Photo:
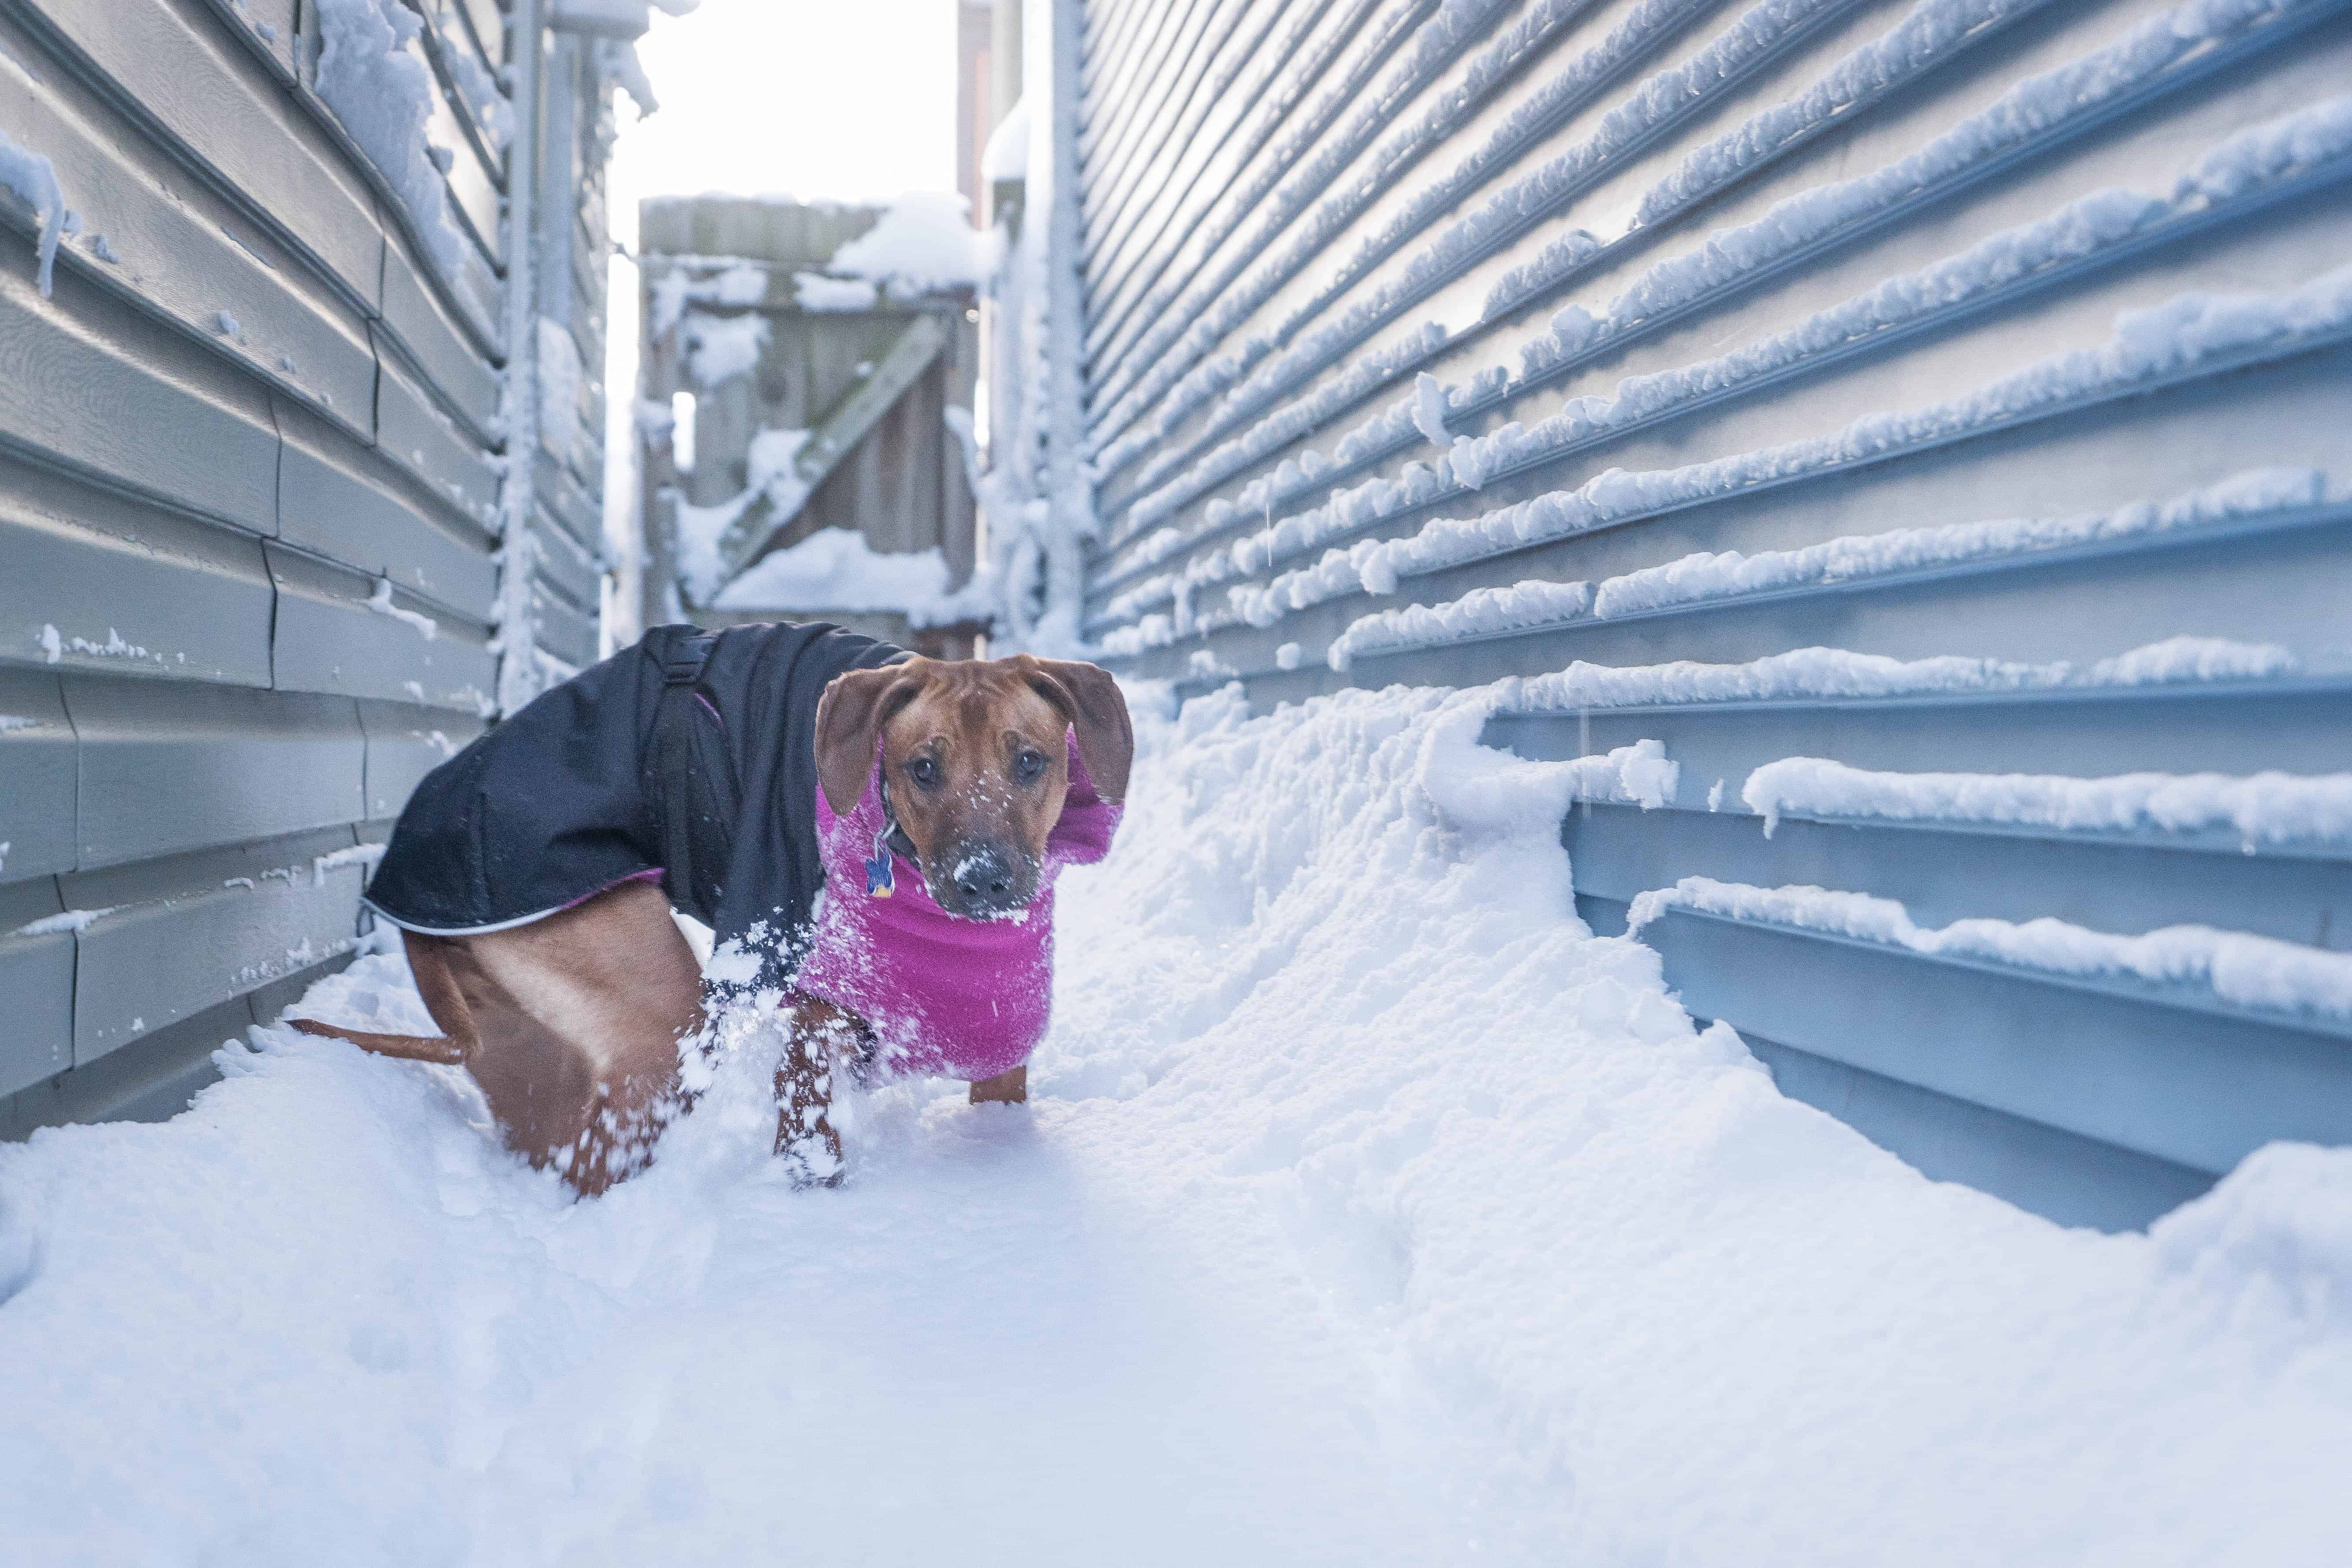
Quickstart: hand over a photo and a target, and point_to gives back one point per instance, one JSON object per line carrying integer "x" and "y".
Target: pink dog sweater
{"x": 946, "y": 996}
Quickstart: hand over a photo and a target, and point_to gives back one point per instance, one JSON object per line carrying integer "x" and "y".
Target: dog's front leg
{"x": 819, "y": 1039}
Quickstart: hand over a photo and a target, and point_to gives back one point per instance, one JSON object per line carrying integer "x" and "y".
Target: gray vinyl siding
{"x": 1243, "y": 162}
{"x": 221, "y": 435}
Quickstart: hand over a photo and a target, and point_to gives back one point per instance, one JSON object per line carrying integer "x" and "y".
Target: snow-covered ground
{"x": 1369, "y": 1211}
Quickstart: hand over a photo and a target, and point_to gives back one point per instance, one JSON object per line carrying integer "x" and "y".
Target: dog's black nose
{"x": 984, "y": 875}
{"x": 986, "y": 880}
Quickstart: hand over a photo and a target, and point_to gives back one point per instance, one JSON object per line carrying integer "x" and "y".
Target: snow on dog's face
{"x": 975, "y": 762}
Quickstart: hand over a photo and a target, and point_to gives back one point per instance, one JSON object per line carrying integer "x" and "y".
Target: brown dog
{"x": 572, "y": 1023}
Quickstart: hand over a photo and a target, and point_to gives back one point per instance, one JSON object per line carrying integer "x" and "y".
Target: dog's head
{"x": 974, "y": 756}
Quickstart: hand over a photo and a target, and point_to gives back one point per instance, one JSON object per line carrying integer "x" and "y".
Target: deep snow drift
{"x": 1370, "y": 1211}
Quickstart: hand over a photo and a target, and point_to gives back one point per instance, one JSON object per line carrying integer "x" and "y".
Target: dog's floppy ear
{"x": 849, "y": 716}
{"x": 1098, "y": 714}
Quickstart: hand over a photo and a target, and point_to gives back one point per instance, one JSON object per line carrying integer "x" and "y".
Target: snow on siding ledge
{"x": 2267, "y": 808}
{"x": 1720, "y": 577}
{"x": 2233, "y": 967}
{"x": 2238, "y": 168}
{"x": 371, "y": 76}
{"x": 1831, "y": 672}
{"x": 2192, "y": 334}
{"x": 31, "y": 177}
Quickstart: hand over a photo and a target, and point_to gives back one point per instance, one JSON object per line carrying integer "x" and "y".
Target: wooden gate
{"x": 778, "y": 402}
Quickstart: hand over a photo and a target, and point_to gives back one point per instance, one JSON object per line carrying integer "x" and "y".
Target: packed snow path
{"x": 1369, "y": 1211}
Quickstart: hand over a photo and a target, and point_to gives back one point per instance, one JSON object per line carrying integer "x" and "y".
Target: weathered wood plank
{"x": 842, "y": 426}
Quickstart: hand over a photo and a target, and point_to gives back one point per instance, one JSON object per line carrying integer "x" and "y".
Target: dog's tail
{"x": 437, "y": 1048}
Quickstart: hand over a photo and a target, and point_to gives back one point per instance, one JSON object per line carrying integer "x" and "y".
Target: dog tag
{"x": 880, "y": 883}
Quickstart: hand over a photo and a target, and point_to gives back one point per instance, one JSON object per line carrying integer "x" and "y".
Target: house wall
{"x": 1690, "y": 277}
{"x": 260, "y": 566}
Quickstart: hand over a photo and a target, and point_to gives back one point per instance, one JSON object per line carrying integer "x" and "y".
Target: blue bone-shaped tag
{"x": 880, "y": 883}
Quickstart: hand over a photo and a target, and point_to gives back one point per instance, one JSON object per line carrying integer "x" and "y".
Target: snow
{"x": 1429, "y": 410}
{"x": 2233, "y": 967}
{"x": 32, "y": 176}
{"x": 52, "y": 925}
{"x": 1639, "y": 774}
{"x": 2264, "y": 154}
{"x": 1369, "y": 1210}
{"x": 836, "y": 569}
{"x": 2267, "y": 809}
{"x": 772, "y": 475}
{"x": 1833, "y": 672}
{"x": 371, "y": 74}
{"x": 366, "y": 855}
{"x": 720, "y": 348}
{"x": 54, "y": 646}
{"x": 561, "y": 373}
{"x": 1709, "y": 577}
{"x": 477, "y": 86}
{"x": 815, "y": 292}
{"x": 1006, "y": 155}
{"x": 380, "y": 601}
{"x": 618, "y": 62}
{"x": 2252, "y": 494}
{"x": 923, "y": 243}
{"x": 1481, "y": 613}
{"x": 692, "y": 280}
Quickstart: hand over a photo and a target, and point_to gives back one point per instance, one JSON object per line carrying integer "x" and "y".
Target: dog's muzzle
{"x": 985, "y": 880}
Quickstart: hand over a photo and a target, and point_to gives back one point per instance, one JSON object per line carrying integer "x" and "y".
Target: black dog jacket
{"x": 692, "y": 754}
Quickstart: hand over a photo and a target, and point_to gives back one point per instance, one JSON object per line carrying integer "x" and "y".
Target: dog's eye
{"x": 1029, "y": 767}
{"x": 924, "y": 772}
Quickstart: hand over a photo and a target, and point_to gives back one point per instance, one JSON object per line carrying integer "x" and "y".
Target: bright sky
{"x": 819, "y": 97}
{"x": 849, "y": 99}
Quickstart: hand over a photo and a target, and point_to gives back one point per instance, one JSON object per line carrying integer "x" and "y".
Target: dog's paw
{"x": 812, "y": 1161}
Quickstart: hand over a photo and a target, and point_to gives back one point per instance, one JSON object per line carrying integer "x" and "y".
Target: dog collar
{"x": 881, "y": 882}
